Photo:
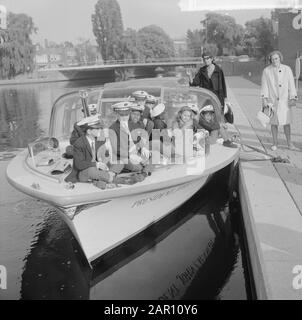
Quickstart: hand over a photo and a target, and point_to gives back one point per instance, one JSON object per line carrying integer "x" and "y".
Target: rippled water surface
{"x": 194, "y": 253}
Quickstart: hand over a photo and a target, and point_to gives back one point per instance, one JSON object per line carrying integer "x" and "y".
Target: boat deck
{"x": 54, "y": 190}
{"x": 270, "y": 195}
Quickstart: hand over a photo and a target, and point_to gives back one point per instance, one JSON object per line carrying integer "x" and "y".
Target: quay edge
{"x": 272, "y": 219}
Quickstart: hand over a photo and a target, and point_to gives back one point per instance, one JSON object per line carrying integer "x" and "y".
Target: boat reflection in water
{"x": 190, "y": 254}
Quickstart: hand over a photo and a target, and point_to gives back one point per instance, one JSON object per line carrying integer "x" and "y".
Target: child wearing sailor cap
{"x": 87, "y": 162}
{"x": 136, "y": 117}
{"x": 161, "y": 132}
{"x": 209, "y": 122}
{"x": 150, "y": 103}
{"x": 124, "y": 137}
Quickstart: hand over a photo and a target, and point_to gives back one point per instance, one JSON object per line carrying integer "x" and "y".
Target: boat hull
{"x": 103, "y": 219}
{"x": 101, "y": 227}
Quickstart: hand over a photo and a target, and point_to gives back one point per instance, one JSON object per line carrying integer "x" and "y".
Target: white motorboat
{"x": 103, "y": 219}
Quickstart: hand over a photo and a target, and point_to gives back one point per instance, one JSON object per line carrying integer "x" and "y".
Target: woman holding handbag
{"x": 278, "y": 92}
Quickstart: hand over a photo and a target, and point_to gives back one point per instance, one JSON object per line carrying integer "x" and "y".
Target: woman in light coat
{"x": 277, "y": 89}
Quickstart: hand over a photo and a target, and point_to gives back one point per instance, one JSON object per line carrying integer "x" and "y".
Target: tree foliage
{"x": 195, "y": 41}
{"x": 223, "y": 31}
{"x": 260, "y": 35}
{"x": 108, "y": 29}
{"x": 16, "y": 48}
{"x": 86, "y": 52}
{"x": 131, "y": 47}
{"x": 211, "y": 48}
{"x": 115, "y": 43}
{"x": 155, "y": 43}
{"x": 256, "y": 38}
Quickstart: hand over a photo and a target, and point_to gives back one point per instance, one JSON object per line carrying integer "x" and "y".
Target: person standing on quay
{"x": 211, "y": 77}
{"x": 278, "y": 91}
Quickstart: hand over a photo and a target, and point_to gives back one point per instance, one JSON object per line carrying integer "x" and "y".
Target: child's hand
{"x": 102, "y": 166}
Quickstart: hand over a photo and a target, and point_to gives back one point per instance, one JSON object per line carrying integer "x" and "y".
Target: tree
{"x": 131, "y": 47}
{"x": 195, "y": 41}
{"x": 260, "y": 35}
{"x": 85, "y": 51}
{"x": 17, "y": 51}
{"x": 155, "y": 43}
{"x": 67, "y": 45}
{"x": 223, "y": 31}
{"x": 211, "y": 48}
{"x": 108, "y": 28}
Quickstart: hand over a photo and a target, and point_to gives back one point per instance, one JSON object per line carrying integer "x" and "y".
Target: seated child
{"x": 208, "y": 121}
{"x": 185, "y": 119}
{"x": 87, "y": 164}
{"x": 137, "y": 120}
{"x": 161, "y": 131}
{"x": 125, "y": 144}
{"x": 150, "y": 103}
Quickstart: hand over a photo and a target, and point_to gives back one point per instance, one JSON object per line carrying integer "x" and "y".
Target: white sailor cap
{"x": 131, "y": 99}
{"x": 207, "y": 108}
{"x": 122, "y": 106}
{"x": 93, "y": 122}
{"x": 157, "y": 110}
{"x": 151, "y": 99}
{"x": 139, "y": 94}
{"x": 137, "y": 107}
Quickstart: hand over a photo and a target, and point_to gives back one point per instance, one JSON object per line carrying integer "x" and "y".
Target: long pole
{"x": 298, "y": 70}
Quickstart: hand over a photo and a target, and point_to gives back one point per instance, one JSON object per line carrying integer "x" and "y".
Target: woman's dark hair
{"x": 208, "y": 54}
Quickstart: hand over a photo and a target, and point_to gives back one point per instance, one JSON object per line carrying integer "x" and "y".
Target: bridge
{"x": 119, "y": 69}
{"x": 124, "y": 69}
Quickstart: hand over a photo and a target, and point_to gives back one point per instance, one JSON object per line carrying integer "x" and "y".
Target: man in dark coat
{"x": 211, "y": 77}
{"x": 86, "y": 163}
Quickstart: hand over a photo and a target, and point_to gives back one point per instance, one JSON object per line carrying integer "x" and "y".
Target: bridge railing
{"x": 148, "y": 60}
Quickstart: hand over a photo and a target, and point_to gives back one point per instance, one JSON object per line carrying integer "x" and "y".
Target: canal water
{"x": 197, "y": 252}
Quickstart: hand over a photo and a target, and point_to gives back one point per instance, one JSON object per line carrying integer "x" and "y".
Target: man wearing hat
{"x": 86, "y": 163}
{"x": 125, "y": 145}
{"x": 77, "y": 131}
{"x": 211, "y": 77}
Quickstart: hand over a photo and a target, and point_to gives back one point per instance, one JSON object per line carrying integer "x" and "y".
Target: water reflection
{"x": 55, "y": 267}
{"x": 19, "y": 116}
{"x": 191, "y": 254}
{"x": 25, "y": 110}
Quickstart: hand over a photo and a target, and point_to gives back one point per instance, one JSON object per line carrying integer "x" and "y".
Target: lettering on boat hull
{"x": 158, "y": 195}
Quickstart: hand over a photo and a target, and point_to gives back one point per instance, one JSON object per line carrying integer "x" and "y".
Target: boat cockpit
{"x": 45, "y": 155}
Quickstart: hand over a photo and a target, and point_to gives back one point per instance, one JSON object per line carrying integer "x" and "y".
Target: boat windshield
{"x": 67, "y": 110}
{"x": 173, "y": 97}
{"x": 114, "y": 95}
{"x": 176, "y": 98}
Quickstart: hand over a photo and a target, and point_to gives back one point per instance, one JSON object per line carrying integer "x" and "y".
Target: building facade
{"x": 290, "y": 37}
